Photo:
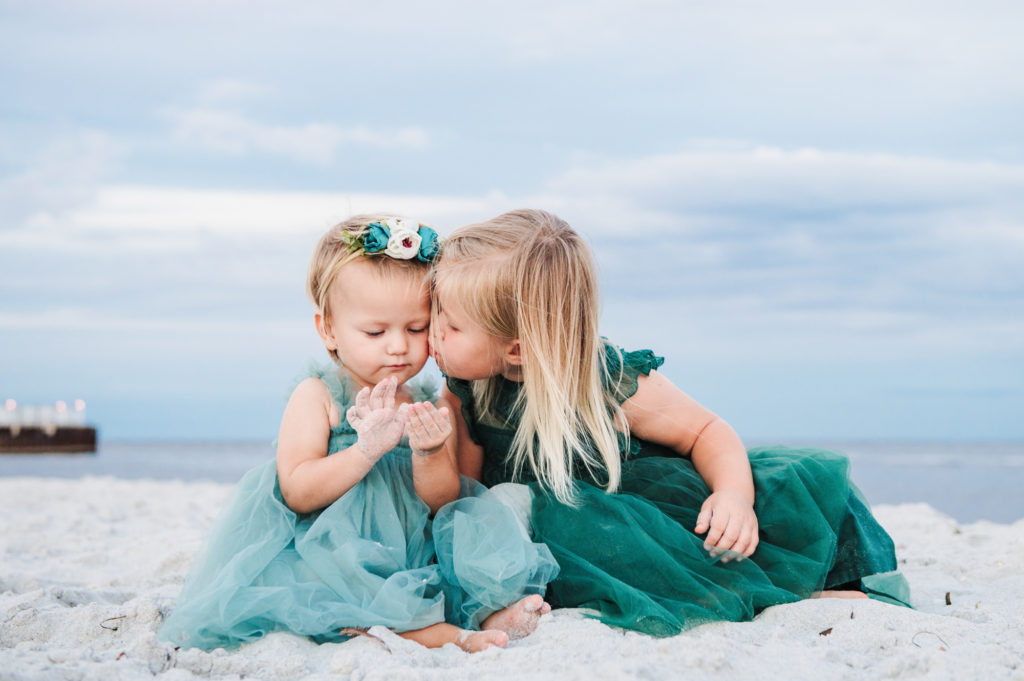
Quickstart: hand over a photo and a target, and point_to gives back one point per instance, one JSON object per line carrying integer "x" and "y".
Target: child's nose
{"x": 398, "y": 344}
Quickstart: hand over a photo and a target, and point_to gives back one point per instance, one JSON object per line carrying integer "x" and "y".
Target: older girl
{"x": 649, "y": 501}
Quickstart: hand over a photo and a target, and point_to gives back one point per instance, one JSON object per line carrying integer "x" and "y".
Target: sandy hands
{"x": 380, "y": 425}
{"x": 427, "y": 427}
{"x": 376, "y": 421}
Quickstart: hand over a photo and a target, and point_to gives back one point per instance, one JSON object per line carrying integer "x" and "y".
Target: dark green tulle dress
{"x": 632, "y": 560}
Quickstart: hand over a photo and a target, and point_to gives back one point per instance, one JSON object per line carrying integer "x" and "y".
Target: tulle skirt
{"x": 632, "y": 560}
{"x": 373, "y": 557}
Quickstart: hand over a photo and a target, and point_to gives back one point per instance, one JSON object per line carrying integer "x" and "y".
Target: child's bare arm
{"x": 662, "y": 413}
{"x": 469, "y": 454}
{"x": 310, "y": 479}
{"x": 434, "y": 470}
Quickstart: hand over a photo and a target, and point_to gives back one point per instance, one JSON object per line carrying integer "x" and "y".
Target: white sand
{"x": 90, "y": 566}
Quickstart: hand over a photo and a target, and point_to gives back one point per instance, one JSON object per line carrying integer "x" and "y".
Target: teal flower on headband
{"x": 429, "y": 244}
{"x": 376, "y": 237}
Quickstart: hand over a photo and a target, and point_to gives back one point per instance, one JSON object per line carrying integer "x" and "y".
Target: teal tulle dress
{"x": 373, "y": 557}
{"x": 631, "y": 558}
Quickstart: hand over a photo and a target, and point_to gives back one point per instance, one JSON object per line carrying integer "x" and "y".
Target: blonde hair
{"x": 527, "y": 275}
{"x": 334, "y": 251}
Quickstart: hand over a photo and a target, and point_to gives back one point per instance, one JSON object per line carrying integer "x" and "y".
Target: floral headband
{"x": 397, "y": 237}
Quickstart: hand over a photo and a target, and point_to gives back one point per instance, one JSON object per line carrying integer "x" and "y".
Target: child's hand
{"x": 427, "y": 427}
{"x": 375, "y": 419}
{"x": 731, "y": 524}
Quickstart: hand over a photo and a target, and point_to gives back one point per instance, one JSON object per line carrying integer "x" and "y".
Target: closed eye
{"x": 419, "y": 330}
{"x": 374, "y": 334}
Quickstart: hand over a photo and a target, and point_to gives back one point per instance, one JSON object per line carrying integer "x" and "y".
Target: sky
{"x": 814, "y": 210}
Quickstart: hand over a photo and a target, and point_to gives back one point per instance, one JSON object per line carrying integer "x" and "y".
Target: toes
{"x": 482, "y": 640}
{"x": 532, "y": 603}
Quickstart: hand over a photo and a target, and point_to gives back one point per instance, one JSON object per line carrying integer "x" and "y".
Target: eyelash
{"x": 375, "y": 334}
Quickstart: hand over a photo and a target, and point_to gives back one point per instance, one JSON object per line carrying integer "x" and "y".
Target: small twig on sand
{"x": 111, "y": 619}
{"x": 943, "y": 647}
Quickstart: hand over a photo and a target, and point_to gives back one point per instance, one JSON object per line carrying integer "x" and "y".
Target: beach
{"x": 91, "y": 566}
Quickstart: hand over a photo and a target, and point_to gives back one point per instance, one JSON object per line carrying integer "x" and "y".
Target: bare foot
{"x": 519, "y": 619}
{"x": 475, "y": 641}
{"x": 442, "y": 633}
{"x": 841, "y": 594}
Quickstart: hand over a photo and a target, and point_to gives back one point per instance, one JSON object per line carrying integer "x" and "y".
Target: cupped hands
{"x": 379, "y": 424}
{"x": 427, "y": 427}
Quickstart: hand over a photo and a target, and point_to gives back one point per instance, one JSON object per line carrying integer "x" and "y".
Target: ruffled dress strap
{"x": 343, "y": 394}
{"x": 623, "y": 369}
{"x": 337, "y": 383}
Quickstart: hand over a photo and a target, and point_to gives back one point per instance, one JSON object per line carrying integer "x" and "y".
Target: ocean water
{"x": 969, "y": 481}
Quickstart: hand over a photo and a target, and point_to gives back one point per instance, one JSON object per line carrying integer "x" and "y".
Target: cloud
{"x": 127, "y": 219}
{"x": 79, "y": 319}
{"x": 64, "y": 174}
{"x": 226, "y": 91}
{"x": 317, "y": 143}
{"x": 857, "y": 252}
{"x": 769, "y": 208}
{"x": 763, "y": 180}
{"x": 253, "y": 213}
{"x": 891, "y": 253}
{"x": 136, "y": 252}
{"x": 726, "y": 41}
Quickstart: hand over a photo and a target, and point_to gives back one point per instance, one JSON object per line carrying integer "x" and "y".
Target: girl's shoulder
{"x": 331, "y": 376}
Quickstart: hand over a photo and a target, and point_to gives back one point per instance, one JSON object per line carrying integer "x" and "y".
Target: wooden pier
{"x": 47, "y": 439}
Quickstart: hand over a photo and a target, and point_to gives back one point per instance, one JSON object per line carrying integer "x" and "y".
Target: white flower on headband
{"x": 404, "y": 243}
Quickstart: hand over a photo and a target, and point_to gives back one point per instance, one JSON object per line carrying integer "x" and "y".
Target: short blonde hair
{"x": 334, "y": 251}
{"x": 528, "y": 275}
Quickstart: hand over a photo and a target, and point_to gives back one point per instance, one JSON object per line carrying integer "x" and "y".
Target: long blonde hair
{"x": 527, "y": 275}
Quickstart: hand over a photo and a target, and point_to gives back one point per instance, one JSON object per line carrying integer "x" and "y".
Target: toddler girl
{"x": 354, "y": 525}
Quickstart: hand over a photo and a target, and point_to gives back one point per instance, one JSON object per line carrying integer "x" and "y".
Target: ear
{"x": 324, "y": 331}
{"x": 513, "y": 353}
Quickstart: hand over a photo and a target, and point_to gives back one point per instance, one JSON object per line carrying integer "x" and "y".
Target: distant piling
{"x": 35, "y": 429}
